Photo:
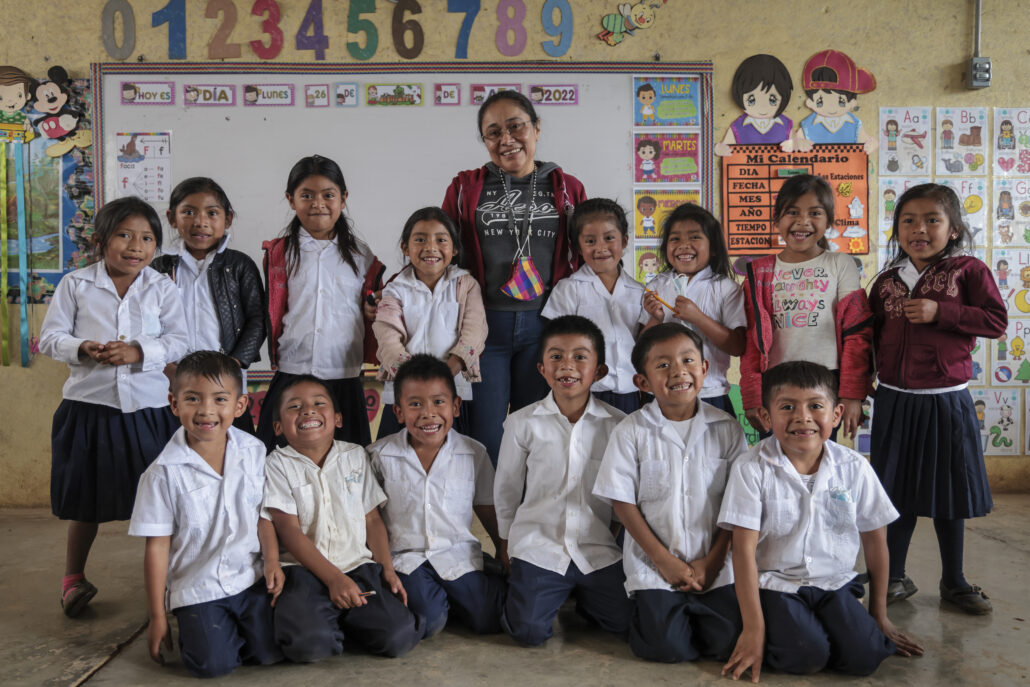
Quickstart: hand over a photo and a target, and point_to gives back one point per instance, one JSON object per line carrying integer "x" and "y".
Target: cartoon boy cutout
{"x": 832, "y": 82}
{"x": 1002, "y": 271}
{"x": 251, "y": 94}
{"x": 646, "y": 206}
{"x": 648, "y": 152}
{"x": 762, "y": 88}
{"x": 129, "y": 92}
{"x": 1006, "y": 136}
{"x": 646, "y": 96}
{"x": 191, "y": 95}
{"x": 947, "y": 135}
{"x": 889, "y": 198}
{"x": 15, "y": 91}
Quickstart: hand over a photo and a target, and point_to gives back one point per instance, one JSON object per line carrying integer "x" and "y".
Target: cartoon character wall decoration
{"x": 1006, "y": 136}
{"x": 648, "y": 151}
{"x": 1005, "y": 209}
{"x": 618, "y": 25}
{"x": 646, "y": 95}
{"x": 60, "y": 116}
{"x": 890, "y": 130}
{"x": 15, "y": 91}
{"x": 762, "y": 88}
{"x": 646, "y": 206}
{"x": 832, "y": 83}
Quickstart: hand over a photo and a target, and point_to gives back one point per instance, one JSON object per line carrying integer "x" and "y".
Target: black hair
{"x": 117, "y": 211}
{"x": 661, "y": 333}
{"x": 948, "y": 200}
{"x": 212, "y": 365}
{"x": 433, "y": 214}
{"x": 522, "y": 101}
{"x": 801, "y": 374}
{"x": 572, "y": 324}
{"x": 795, "y": 187}
{"x": 645, "y": 87}
{"x": 187, "y": 187}
{"x": 765, "y": 71}
{"x": 346, "y": 243}
{"x": 422, "y": 367}
{"x": 297, "y": 381}
{"x": 597, "y": 208}
{"x": 827, "y": 74}
{"x": 718, "y": 256}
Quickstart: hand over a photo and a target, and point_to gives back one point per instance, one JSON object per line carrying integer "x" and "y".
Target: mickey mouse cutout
{"x": 832, "y": 82}
{"x": 60, "y": 117}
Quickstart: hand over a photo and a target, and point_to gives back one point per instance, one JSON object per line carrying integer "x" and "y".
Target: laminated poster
{"x": 1011, "y": 270}
{"x": 1012, "y": 141}
{"x": 863, "y": 437}
{"x": 1009, "y": 363}
{"x": 997, "y": 413}
{"x": 651, "y": 207}
{"x": 906, "y": 144}
{"x": 752, "y": 175}
{"x": 666, "y": 101}
{"x": 972, "y": 193}
{"x": 666, "y": 158}
{"x": 891, "y": 189}
{"x": 1011, "y": 212}
{"x": 646, "y": 264}
{"x": 962, "y": 137}
{"x": 144, "y": 165}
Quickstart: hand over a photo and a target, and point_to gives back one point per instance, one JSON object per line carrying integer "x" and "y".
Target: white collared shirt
{"x": 805, "y": 538}
{"x": 429, "y": 516}
{"x": 324, "y": 326}
{"x": 676, "y": 481}
{"x": 615, "y": 314}
{"x": 542, "y": 492}
{"x": 194, "y": 283}
{"x": 331, "y": 502}
{"x": 86, "y": 307}
{"x": 430, "y": 319}
{"x": 716, "y": 296}
{"x": 211, "y": 518}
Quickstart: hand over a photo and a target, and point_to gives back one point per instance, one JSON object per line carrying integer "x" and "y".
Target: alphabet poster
{"x": 144, "y": 165}
{"x": 652, "y": 206}
{"x": 997, "y": 412}
{"x": 906, "y": 144}
{"x": 891, "y": 189}
{"x": 1009, "y": 364}
{"x": 1012, "y": 141}
{"x": 1011, "y": 269}
{"x": 666, "y": 158}
{"x": 1011, "y": 212}
{"x": 972, "y": 193}
{"x": 962, "y": 137}
{"x": 667, "y": 101}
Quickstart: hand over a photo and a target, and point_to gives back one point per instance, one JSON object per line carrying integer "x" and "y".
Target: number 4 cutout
{"x": 311, "y": 35}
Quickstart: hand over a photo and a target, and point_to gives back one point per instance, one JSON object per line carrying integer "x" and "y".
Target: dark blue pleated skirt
{"x": 926, "y": 450}
{"x": 99, "y": 453}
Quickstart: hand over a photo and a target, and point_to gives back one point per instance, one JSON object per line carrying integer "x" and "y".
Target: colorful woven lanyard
{"x": 522, "y": 245}
{"x": 5, "y": 354}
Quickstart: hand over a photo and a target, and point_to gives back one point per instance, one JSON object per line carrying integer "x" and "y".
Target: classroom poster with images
{"x": 1011, "y": 269}
{"x": 667, "y": 101}
{"x": 979, "y": 356}
{"x": 891, "y": 189}
{"x": 997, "y": 414}
{"x": 753, "y": 174}
{"x": 1009, "y": 363}
{"x": 962, "y": 137}
{"x": 144, "y": 165}
{"x": 1011, "y": 212}
{"x": 864, "y": 434}
{"x": 906, "y": 142}
{"x": 646, "y": 263}
{"x": 652, "y": 205}
{"x": 1011, "y": 141}
{"x": 972, "y": 193}
{"x": 670, "y": 158}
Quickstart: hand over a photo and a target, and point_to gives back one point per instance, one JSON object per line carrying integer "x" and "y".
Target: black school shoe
{"x": 899, "y": 589}
{"x": 971, "y": 600}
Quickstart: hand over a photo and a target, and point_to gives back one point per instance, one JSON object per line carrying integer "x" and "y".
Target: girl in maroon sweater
{"x": 929, "y": 305}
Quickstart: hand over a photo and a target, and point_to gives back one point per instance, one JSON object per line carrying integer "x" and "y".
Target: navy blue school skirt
{"x": 926, "y": 450}
{"x": 349, "y": 395}
{"x": 99, "y": 453}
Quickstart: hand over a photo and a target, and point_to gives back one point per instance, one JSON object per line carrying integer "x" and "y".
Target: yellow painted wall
{"x": 917, "y": 49}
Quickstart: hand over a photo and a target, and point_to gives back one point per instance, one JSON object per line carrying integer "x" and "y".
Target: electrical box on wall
{"x": 979, "y": 75}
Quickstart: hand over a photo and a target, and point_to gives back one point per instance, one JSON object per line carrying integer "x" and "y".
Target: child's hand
{"x": 394, "y": 583}
{"x": 756, "y": 420}
{"x": 120, "y": 353}
{"x": 679, "y": 574}
{"x": 906, "y": 645}
{"x": 921, "y": 311}
{"x": 653, "y": 307}
{"x": 159, "y": 632}
{"x": 369, "y": 308}
{"x": 344, "y": 592}
{"x": 746, "y": 654}
{"x": 852, "y": 417}
{"x": 706, "y": 569}
{"x": 274, "y": 580}
{"x": 91, "y": 349}
{"x": 686, "y": 309}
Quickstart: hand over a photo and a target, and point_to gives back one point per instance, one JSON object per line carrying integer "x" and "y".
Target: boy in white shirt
{"x": 557, "y": 534}
{"x": 321, "y": 495}
{"x": 799, "y": 505}
{"x": 198, "y": 506}
{"x": 664, "y": 471}
{"x": 435, "y": 478}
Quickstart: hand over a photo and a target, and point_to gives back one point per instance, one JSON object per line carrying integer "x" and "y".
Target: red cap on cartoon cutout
{"x": 849, "y": 76}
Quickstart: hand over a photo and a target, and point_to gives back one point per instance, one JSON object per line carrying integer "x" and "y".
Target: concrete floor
{"x": 106, "y": 646}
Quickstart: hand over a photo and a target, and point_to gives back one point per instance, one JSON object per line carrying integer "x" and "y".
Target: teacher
{"x": 512, "y": 214}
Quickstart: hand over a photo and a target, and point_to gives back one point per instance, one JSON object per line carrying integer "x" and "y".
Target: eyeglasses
{"x": 513, "y": 129}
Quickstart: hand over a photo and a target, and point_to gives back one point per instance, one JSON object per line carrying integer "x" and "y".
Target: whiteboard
{"x": 394, "y": 159}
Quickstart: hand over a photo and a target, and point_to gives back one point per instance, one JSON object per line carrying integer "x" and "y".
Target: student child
{"x": 929, "y": 305}
{"x": 318, "y": 275}
{"x": 664, "y": 472}
{"x": 799, "y": 504}
{"x": 434, "y": 479}
{"x": 431, "y": 306}
{"x": 558, "y": 535}
{"x": 806, "y": 303}
{"x": 700, "y": 285}
{"x": 116, "y": 324}
{"x": 604, "y": 293}
{"x": 220, "y": 287}
{"x": 323, "y": 499}
{"x": 198, "y": 506}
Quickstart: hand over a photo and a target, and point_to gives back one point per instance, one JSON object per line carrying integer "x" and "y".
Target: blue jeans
{"x": 510, "y": 378}
{"x": 475, "y": 598}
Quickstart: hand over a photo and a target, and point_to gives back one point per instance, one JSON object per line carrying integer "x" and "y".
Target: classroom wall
{"x": 917, "y": 50}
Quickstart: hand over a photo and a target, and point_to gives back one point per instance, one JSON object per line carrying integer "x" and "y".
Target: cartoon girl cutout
{"x": 890, "y": 130}
{"x": 1006, "y": 135}
{"x": 1005, "y": 207}
{"x": 947, "y": 135}
{"x": 832, "y": 83}
{"x": 15, "y": 92}
{"x": 762, "y": 88}
{"x": 648, "y": 152}
{"x": 647, "y": 266}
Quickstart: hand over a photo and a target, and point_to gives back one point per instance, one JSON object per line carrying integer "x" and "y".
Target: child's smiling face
{"x": 201, "y": 222}
{"x": 761, "y": 103}
{"x": 674, "y": 371}
{"x": 688, "y": 251}
{"x": 318, "y": 202}
{"x": 430, "y": 250}
{"x": 830, "y": 104}
{"x": 13, "y": 98}
{"x": 307, "y": 419}
{"x": 801, "y": 227}
{"x": 569, "y": 364}
{"x": 801, "y": 420}
{"x": 427, "y": 408}
{"x": 601, "y": 245}
{"x": 206, "y": 407}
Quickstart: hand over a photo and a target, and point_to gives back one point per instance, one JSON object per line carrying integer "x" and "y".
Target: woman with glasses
{"x": 512, "y": 214}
